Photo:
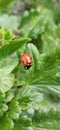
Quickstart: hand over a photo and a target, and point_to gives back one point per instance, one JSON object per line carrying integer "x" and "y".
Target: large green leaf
{"x": 12, "y": 47}
{"x": 44, "y": 74}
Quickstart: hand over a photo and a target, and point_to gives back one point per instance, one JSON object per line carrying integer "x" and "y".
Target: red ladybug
{"x": 26, "y": 61}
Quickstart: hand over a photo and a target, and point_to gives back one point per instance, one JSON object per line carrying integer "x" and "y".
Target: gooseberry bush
{"x": 30, "y": 99}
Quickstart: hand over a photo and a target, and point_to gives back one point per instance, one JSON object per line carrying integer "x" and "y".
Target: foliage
{"x": 30, "y": 99}
{"x": 5, "y": 5}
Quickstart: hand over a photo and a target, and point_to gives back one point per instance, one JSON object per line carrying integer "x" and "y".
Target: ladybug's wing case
{"x": 24, "y": 61}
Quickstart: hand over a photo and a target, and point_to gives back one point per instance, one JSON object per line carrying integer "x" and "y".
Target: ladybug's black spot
{"x": 27, "y": 67}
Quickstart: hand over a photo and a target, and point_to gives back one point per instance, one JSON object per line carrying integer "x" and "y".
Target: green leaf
{"x": 28, "y": 74}
{"x": 7, "y": 65}
{"x": 49, "y": 119}
{"x": 23, "y": 123}
{"x": 6, "y": 82}
{"x": 52, "y": 90}
{"x": 12, "y": 47}
{"x": 31, "y": 48}
{"x": 8, "y": 123}
{"x": 14, "y": 109}
{"x": 3, "y": 105}
{"x": 5, "y": 5}
{"x": 24, "y": 101}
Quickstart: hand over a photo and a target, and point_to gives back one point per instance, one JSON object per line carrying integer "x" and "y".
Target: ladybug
{"x": 26, "y": 60}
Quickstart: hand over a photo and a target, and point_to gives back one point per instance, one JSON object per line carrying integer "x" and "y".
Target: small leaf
{"x": 6, "y": 82}
{"x": 33, "y": 51}
{"x": 7, "y": 65}
{"x": 14, "y": 109}
{"x": 8, "y": 123}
